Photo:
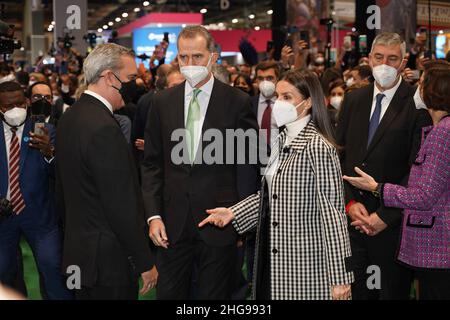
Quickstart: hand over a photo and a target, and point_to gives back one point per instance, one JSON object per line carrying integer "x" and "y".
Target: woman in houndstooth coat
{"x": 302, "y": 246}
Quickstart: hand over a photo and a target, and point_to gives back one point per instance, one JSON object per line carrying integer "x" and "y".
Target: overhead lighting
{"x": 159, "y": 25}
{"x": 353, "y": 29}
{"x": 137, "y": 9}
{"x": 235, "y": 20}
{"x": 252, "y": 16}
{"x": 183, "y": 25}
{"x": 110, "y": 23}
{"x": 105, "y": 27}
{"x": 441, "y": 31}
{"x": 204, "y": 10}
{"x": 118, "y": 19}
{"x": 269, "y": 12}
{"x": 146, "y": 3}
{"x": 124, "y": 15}
{"x": 257, "y": 28}
{"x": 53, "y": 23}
{"x": 100, "y": 30}
{"x": 220, "y": 24}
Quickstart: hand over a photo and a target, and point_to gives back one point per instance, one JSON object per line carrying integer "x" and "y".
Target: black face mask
{"x": 41, "y": 107}
{"x": 128, "y": 91}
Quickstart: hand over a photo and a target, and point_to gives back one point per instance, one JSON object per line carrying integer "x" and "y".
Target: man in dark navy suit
{"x": 26, "y": 165}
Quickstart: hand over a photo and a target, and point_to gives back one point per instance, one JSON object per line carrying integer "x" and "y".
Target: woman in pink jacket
{"x": 425, "y": 241}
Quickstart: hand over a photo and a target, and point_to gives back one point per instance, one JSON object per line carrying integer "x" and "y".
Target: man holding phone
{"x": 26, "y": 166}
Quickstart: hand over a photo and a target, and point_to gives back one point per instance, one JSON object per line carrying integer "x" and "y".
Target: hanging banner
{"x": 70, "y": 18}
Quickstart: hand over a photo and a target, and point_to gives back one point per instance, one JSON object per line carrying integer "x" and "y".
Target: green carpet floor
{"x": 31, "y": 275}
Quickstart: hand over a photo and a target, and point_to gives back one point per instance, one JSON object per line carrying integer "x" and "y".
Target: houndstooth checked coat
{"x": 309, "y": 241}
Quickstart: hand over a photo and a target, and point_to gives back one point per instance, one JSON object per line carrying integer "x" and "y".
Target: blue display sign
{"x": 146, "y": 40}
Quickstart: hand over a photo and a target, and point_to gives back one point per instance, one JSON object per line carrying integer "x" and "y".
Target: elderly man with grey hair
{"x": 105, "y": 244}
{"x": 379, "y": 130}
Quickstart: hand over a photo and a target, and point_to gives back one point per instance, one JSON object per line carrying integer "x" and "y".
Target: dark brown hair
{"x": 266, "y": 65}
{"x": 307, "y": 83}
{"x": 436, "y": 86}
{"x": 191, "y": 32}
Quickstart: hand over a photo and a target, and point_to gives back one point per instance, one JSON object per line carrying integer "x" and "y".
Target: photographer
{"x": 27, "y": 206}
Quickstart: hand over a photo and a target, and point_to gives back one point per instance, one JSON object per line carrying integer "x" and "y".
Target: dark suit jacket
{"x": 392, "y": 150}
{"x": 171, "y": 190}
{"x": 97, "y": 181}
{"x": 34, "y": 177}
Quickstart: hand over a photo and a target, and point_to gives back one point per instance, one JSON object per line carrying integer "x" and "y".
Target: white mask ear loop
{"x": 306, "y": 108}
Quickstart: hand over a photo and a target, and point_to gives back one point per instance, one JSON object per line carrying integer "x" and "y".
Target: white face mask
{"x": 65, "y": 88}
{"x": 385, "y": 75}
{"x": 196, "y": 74}
{"x": 320, "y": 60}
{"x": 285, "y": 112}
{"x": 336, "y": 102}
{"x": 267, "y": 88}
{"x": 15, "y": 117}
{"x": 350, "y": 82}
{"x": 418, "y": 101}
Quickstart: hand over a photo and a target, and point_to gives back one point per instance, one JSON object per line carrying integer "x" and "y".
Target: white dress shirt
{"x": 99, "y": 97}
{"x": 8, "y": 135}
{"x": 293, "y": 129}
{"x": 389, "y": 94}
{"x": 262, "y": 106}
{"x": 203, "y": 100}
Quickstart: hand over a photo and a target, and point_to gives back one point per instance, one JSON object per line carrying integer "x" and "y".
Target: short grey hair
{"x": 221, "y": 73}
{"x": 390, "y": 39}
{"x": 104, "y": 57}
{"x": 191, "y": 32}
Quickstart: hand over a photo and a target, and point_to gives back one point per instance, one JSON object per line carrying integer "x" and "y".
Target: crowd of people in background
{"x": 375, "y": 109}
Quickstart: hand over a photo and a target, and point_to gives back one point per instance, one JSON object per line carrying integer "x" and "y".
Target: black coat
{"x": 392, "y": 150}
{"x": 100, "y": 195}
{"x": 171, "y": 190}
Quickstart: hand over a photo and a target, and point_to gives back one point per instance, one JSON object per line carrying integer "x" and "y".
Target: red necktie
{"x": 16, "y": 197}
{"x": 266, "y": 122}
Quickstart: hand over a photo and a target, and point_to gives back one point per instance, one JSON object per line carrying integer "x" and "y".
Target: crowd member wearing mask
{"x": 303, "y": 242}
{"x": 360, "y": 75}
{"x": 425, "y": 240}
{"x": 244, "y": 83}
{"x": 41, "y": 98}
{"x": 267, "y": 75}
{"x": 98, "y": 187}
{"x": 379, "y": 131}
{"x": 176, "y": 196}
{"x": 26, "y": 167}
{"x": 337, "y": 91}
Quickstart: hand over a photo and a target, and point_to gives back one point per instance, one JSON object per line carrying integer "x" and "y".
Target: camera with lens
{"x": 7, "y": 42}
{"x": 6, "y": 209}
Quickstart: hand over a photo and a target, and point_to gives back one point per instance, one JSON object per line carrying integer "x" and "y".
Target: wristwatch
{"x": 377, "y": 192}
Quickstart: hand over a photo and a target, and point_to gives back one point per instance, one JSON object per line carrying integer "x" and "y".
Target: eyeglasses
{"x": 37, "y": 97}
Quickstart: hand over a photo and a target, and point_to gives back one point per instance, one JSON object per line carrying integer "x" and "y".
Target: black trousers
{"x": 434, "y": 285}
{"x": 108, "y": 293}
{"x": 379, "y": 251}
{"x": 215, "y": 268}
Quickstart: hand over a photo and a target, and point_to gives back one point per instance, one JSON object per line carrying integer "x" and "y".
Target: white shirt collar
{"x": 99, "y": 97}
{"x": 294, "y": 128}
{"x": 206, "y": 88}
{"x": 388, "y": 93}
{"x": 263, "y": 99}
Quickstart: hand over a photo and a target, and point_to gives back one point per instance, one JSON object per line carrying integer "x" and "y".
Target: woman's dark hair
{"x": 248, "y": 81}
{"x": 436, "y": 86}
{"x": 307, "y": 83}
{"x": 336, "y": 84}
